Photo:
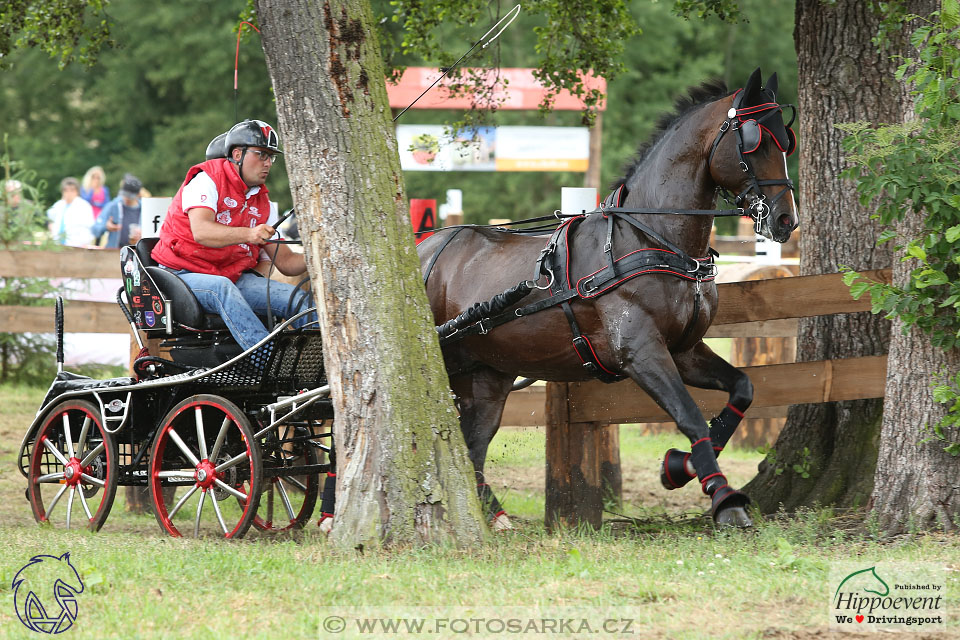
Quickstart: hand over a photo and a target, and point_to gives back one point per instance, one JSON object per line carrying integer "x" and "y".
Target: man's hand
{"x": 260, "y": 234}
{"x": 208, "y": 232}
{"x": 112, "y": 226}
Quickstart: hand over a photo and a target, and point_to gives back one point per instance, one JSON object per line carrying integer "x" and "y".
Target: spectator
{"x": 13, "y": 191}
{"x": 95, "y": 190}
{"x": 71, "y": 217}
{"x": 121, "y": 216}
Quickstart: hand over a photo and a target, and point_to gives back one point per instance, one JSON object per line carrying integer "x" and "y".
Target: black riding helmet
{"x": 249, "y": 133}
{"x": 217, "y": 147}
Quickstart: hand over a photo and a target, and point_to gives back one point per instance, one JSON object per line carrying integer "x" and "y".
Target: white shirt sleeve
{"x": 200, "y": 192}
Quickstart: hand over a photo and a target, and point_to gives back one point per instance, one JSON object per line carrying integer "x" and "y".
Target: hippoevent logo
{"x": 45, "y": 593}
{"x": 887, "y": 596}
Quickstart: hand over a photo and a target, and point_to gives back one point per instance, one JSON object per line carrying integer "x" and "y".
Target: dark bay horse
{"x": 650, "y": 327}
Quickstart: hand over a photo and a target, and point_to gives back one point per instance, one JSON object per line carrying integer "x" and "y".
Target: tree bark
{"x": 917, "y": 484}
{"x": 843, "y": 78}
{"x": 403, "y": 475}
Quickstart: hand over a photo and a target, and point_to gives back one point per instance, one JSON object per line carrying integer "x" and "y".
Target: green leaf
{"x": 886, "y": 235}
{"x": 915, "y": 251}
{"x": 950, "y": 13}
{"x": 953, "y": 233}
{"x": 859, "y": 289}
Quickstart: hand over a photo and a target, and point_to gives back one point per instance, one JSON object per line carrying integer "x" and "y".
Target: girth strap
{"x": 581, "y": 344}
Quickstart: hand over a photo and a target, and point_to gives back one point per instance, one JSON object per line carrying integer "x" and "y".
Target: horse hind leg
{"x": 481, "y": 396}
{"x": 660, "y": 378}
{"x": 701, "y": 367}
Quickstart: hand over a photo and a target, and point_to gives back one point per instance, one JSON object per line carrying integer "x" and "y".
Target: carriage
{"x": 222, "y": 438}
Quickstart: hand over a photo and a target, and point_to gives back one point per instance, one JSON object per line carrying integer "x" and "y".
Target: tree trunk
{"x": 916, "y": 486}
{"x": 842, "y": 79}
{"x": 403, "y": 475}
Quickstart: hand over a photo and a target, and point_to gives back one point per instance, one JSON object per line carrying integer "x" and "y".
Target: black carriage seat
{"x": 185, "y": 308}
{"x": 157, "y": 297}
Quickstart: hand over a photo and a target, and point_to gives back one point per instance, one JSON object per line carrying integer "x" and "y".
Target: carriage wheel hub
{"x": 206, "y": 474}
{"x": 72, "y": 471}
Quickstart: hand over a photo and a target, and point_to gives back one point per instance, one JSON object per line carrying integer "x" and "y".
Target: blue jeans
{"x": 238, "y": 304}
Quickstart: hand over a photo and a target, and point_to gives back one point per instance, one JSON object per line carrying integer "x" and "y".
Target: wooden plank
{"x": 70, "y": 262}
{"x": 797, "y": 297}
{"x": 783, "y": 328}
{"x": 79, "y": 317}
{"x": 774, "y": 386}
{"x": 525, "y": 408}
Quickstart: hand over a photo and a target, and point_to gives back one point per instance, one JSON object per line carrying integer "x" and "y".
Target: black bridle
{"x": 749, "y": 129}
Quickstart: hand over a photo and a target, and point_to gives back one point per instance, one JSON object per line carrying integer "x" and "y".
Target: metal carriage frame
{"x": 242, "y": 443}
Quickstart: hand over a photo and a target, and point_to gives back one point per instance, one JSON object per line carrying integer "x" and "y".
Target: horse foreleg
{"x": 658, "y": 375}
{"x": 481, "y": 396}
{"x": 701, "y": 367}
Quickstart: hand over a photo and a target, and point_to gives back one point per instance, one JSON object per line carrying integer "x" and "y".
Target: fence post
{"x": 574, "y": 482}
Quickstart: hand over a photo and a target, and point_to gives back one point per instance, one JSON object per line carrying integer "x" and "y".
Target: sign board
{"x": 152, "y": 213}
{"x": 431, "y": 148}
{"x": 423, "y": 217}
{"x": 521, "y": 91}
{"x": 577, "y": 200}
{"x": 768, "y": 251}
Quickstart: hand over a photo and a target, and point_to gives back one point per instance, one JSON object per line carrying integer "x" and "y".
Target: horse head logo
{"x": 41, "y": 575}
{"x": 865, "y": 580}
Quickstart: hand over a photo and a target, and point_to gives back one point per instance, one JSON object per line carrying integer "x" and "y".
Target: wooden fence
{"x": 79, "y": 316}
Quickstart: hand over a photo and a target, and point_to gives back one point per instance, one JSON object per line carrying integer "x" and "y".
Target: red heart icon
{"x": 859, "y": 618}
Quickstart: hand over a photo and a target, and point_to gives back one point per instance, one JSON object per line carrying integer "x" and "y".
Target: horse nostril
{"x": 786, "y": 221}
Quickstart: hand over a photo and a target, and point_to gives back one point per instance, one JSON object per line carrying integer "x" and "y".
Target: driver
{"x": 215, "y": 228}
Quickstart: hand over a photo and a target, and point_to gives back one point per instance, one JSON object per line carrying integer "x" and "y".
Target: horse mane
{"x": 695, "y": 96}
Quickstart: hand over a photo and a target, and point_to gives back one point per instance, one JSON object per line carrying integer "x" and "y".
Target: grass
{"x": 680, "y": 579}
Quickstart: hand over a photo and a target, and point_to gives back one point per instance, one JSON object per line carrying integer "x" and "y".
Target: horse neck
{"x": 674, "y": 175}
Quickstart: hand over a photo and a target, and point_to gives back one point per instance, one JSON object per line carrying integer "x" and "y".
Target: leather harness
{"x": 553, "y": 262}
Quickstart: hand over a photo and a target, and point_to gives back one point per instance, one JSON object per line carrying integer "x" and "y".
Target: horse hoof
{"x": 729, "y": 508}
{"x": 733, "y": 517}
{"x": 326, "y": 525}
{"x": 501, "y": 522}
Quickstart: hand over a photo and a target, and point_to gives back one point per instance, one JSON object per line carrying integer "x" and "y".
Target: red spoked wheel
{"x": 73, "y": 464}
{"x": 288, "y": 501}
{"x": 205, "y": 449}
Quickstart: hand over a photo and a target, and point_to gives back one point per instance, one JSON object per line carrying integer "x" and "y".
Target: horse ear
{"x": 753, "y": 82}
{"x": 771, "y": 86}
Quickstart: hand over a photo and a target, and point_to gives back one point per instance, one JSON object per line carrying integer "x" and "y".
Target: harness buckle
{"x": 608, "y": 247}
{"x": 743, "y": 165}
{"x": 724, "y": 126}
{"x": 484, "y": 330}
{"x": 534, "y": 284}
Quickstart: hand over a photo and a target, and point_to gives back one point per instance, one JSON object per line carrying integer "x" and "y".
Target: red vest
{"x": 178, "y": 250}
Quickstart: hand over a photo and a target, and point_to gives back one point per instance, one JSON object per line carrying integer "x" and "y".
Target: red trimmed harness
{"x": 554, "y": 262}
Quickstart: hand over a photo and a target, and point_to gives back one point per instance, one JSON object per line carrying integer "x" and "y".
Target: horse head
{"x": 748, "y": 157}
